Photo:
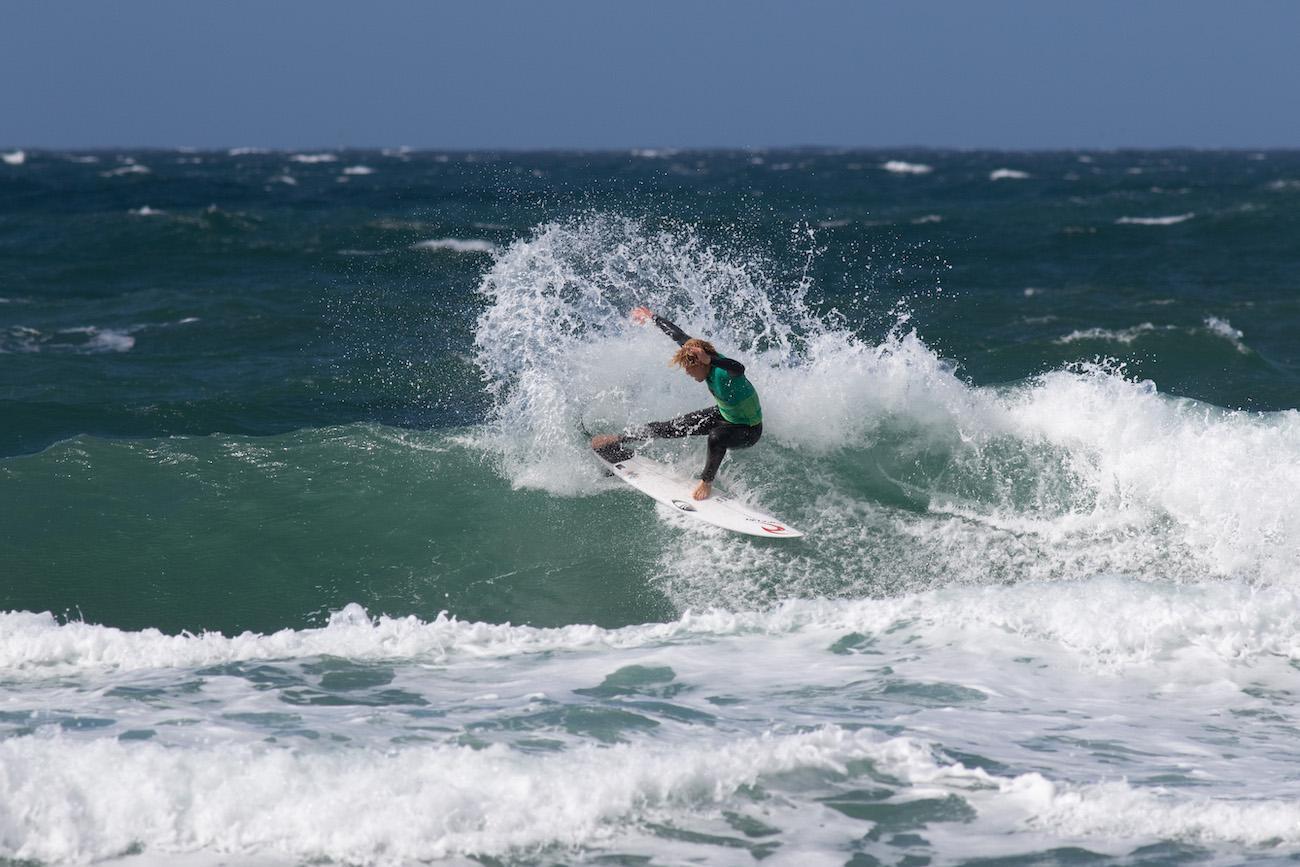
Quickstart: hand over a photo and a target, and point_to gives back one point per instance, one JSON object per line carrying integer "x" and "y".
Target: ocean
{"x": 304, "y": 559}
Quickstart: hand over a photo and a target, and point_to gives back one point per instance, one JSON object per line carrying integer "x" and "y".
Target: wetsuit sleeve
{"x": 730, "y": 365}
{"x": 671, "y": 330}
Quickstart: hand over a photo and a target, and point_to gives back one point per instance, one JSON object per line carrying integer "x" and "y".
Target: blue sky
{"x": 664, "y": 73}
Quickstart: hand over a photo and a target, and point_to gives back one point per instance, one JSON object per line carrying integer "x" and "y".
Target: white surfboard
{"x": 660, "y": 483}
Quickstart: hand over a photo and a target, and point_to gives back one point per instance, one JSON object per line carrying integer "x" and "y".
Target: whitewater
{"x": 1108, "y": 715}
{"x": 1047, "y": 620}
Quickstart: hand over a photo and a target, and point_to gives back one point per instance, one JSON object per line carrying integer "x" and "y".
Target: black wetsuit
{"x": 726, "y": 381}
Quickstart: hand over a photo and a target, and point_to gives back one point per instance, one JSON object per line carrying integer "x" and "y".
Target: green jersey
{"x": 737, "y": 399}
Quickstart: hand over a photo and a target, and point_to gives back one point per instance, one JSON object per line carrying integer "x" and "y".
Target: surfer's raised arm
{"x": 642, "y": 315}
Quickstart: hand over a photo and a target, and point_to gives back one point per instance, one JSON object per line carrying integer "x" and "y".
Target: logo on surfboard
{"x": 686, "y": 507}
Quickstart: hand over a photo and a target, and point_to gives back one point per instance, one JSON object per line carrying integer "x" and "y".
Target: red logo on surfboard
{"x": 772, "y": 527}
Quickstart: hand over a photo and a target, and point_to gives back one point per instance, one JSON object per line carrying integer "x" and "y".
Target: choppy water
{"x": 303, "y": 559}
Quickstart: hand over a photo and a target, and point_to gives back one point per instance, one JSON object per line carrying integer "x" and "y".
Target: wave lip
{"x": 1008, "y": 175}
{"x": 14, "y": 158}
{"x": 312, "y": 159}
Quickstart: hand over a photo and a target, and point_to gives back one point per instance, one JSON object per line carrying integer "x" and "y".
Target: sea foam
{"x": 1103, "y": 624}
{"x": 88, "y": 339}
{"x": 367, "y": 806}
{"x": 1195, "y": 648}
{"x": 420, "y": 803}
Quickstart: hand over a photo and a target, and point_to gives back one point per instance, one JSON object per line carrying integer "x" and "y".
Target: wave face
{"x": 304, "y": 557}
{"x": 878, "y": 449}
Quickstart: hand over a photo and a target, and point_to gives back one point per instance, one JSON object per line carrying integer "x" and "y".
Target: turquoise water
{"x": 303, "y": 559}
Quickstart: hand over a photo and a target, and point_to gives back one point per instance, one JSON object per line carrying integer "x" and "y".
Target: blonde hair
{"x": 681, "y": 355}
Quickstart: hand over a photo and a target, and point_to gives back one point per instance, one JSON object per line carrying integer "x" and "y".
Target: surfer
{"x": 735, "y": 422}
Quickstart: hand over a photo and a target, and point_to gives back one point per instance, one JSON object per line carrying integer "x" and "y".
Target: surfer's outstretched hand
{"x": 641, "y": 315}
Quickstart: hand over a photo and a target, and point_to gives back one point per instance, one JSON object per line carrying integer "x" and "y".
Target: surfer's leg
{"x": 700, "y": 421}
{"x": 728, "y": 436}
{"x": 613, "y": 447}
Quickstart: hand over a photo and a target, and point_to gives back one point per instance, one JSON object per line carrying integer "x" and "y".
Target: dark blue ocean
{"x": 304, "y": 559}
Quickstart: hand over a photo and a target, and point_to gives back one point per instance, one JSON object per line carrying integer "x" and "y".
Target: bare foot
{"x": 703, "y": 491}
{"x": 599, "y": 442}
{"x": 641, "y": 315}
